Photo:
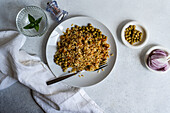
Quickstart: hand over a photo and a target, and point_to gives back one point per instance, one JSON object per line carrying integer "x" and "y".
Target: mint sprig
{"x": 33, "y": 23}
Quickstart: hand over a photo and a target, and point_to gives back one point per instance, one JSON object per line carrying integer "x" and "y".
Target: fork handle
{"x": 59, "y": 79}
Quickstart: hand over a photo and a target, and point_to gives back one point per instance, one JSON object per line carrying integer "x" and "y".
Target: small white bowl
{"x": 147, "y": 54}
{"x": 139, "y": 27}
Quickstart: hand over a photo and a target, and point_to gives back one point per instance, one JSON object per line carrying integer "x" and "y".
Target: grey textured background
{"x": 17, "y": 99}
{"x": 130, "y": 88}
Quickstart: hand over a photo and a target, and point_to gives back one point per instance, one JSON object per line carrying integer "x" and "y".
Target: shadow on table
{"x": 46, "y": 36}
{"x": 10, "y": 9}
{"x": 143, "y": 52}
{"x": 8, "y": 13}
{"x": 119, "y": 29}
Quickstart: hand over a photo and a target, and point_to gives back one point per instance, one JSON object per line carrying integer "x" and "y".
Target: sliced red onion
{"x": 160, "y": 52}
{"x": 154, "y": 62}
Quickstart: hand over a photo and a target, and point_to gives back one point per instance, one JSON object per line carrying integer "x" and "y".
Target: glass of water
{"x": 22, "y": 20}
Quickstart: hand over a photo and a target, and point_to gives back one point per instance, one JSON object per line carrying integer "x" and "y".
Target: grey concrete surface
{"x": 130, "y": 87}
{"x": 18, "y": 99}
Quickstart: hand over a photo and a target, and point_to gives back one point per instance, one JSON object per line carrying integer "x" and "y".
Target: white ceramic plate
{"x": 90, "y": 78}
{"x": 147, "y": 54}
{"x": 140, "y": 27}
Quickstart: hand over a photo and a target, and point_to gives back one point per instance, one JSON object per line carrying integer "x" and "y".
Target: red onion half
{"x": 153, "y": 60}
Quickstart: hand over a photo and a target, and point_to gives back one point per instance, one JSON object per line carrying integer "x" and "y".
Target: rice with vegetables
{"x": 82, "y": 48}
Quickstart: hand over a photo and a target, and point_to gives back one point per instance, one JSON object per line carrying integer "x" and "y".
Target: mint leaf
{"x": 38, "y": 21}
{"x": 33, "y": 23}
{"x": 36, "y": 27}
{"x": 29, "y": 26}
{"x": 31, "y": 18}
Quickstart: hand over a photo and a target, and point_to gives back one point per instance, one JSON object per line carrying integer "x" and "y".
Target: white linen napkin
{"x": 16, "y": 64}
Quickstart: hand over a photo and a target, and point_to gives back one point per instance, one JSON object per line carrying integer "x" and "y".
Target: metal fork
{"x": 70, "y": 75}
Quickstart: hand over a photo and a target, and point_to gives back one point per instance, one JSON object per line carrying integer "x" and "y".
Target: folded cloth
{"x": 16, "y": 64}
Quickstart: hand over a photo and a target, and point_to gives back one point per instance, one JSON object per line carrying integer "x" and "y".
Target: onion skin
{"x": 153, "y": 63}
